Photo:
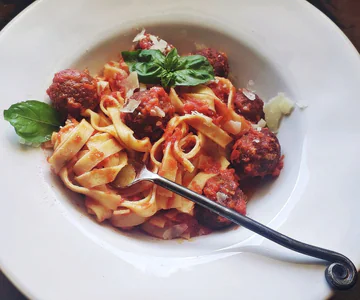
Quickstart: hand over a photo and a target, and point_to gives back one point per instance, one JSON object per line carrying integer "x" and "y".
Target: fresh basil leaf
{"x": 154, "y": 56}
{"x": 130, "y": 57}
{"x": 168, "y": 79}
{"x": 171, "y": 60}
{"x": 194, "y": 62}
{"x": 189, "y": 77}
{"x": 143, "y": 56}
{"x": 148, "y": 72}
{"x": 34, "y": 121}
{"x": 153, "y": 67}
{"x": 193, "y": 70}
{"x": 147, "y": 63}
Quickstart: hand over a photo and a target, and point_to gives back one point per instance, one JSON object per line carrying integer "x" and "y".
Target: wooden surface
{"x": 345, "y": 13}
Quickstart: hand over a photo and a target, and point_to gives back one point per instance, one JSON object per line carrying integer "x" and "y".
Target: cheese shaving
{"x": 196, "y": 113}
{"x": 221, "y": 197}
{"x": 130, "y": 83}
{"x": 103, "y": 87}
{"x": 158, "y": 44}
{"x": 157, "y": 112}
{"x": 130, "y": 106}
{"x": 261, "y": 123}
{"x": 301, "y": 105}
{"x": 141, "y": 35}
{"x": 275, "y": 109}
{"x": 250, "y": 95}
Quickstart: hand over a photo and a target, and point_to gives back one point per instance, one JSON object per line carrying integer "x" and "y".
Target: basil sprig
{"x": 153, "y": 67}
{"x": 34, "y": 121}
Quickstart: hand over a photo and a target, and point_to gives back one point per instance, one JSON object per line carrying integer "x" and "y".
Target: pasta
{"x": 188, "y": 134}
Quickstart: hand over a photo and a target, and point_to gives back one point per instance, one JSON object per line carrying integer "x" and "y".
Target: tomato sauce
{"x": 109, "y": 103}
{"x": 77, "y": 139}
{"x": 209, "y": 165}
{"x": 220, "y": 90}
{"x": 172, "y": 137}
{"x": 199, "y": 106}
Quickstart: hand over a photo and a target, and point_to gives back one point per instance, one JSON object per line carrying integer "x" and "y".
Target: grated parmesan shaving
{"x": 158, "y": 44}
{"x": 221, "y": 197}
{"x": 206, "y": 120}
{"x": 130, "y": 106}
{"x": 141, "y": 35}
{"x": 130, "y": 83}
{"x": 196, "y": 113}
{"x": 259, "y": 125}
{"x": 274, "y": 110}
{"x": 153, "y": 38}
{"x": 214, "y": 80}
{"x": 102, "y": 86}
{"x": 157, "y": 112}
{"x": 301, "y": 105}
{"x": 250, "y": 95}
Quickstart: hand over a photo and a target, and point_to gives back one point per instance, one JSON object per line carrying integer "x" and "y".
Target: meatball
{"x": 218, "y": 60}
{"x": 223, "y": 189}
{"x": 73, "y": 91}
{"x": 249, "y": 105}
{"x": 148, "y": 41}
{"x": 257, "y": 153}
{"x": 150, "y": 118}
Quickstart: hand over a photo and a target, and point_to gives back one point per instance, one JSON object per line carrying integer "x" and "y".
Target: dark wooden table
{"x": 345, "y": 13}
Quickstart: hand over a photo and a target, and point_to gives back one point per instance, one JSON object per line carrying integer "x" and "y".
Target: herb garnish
{"x": 171, "y": 70}
{"x": 34, "y": 121}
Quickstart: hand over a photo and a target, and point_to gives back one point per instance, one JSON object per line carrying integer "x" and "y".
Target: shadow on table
{"x": 353, "y": 294}
{"x": 8, "y": 291}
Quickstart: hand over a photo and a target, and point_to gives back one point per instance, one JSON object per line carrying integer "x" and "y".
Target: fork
{"x": 341, "y": 274}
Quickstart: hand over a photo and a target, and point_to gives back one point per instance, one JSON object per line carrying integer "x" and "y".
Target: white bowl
{"x": 52, "y": 249}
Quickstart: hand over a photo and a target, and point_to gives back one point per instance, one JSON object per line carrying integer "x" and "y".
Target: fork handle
{"x": 340, "y": 274}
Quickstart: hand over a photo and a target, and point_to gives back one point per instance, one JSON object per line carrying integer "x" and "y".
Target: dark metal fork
{"x": 340, "y": 274}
